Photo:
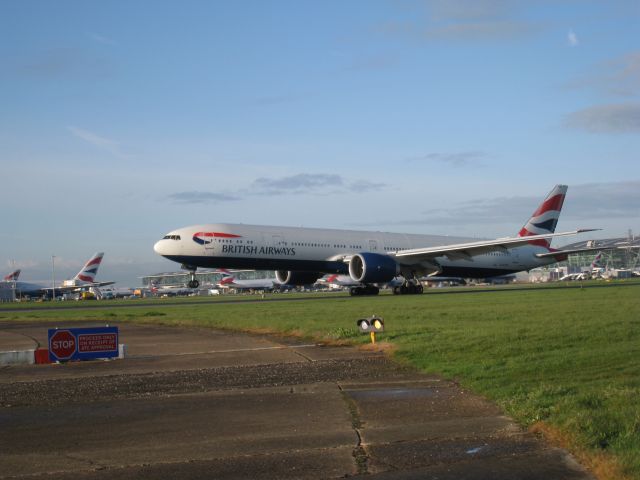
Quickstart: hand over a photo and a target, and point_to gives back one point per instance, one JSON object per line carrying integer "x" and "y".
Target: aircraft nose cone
{"x": 158, "y": 247}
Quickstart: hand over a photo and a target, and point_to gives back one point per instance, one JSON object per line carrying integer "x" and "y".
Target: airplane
{"x": 171, "y": 290}
{"x": 337, "y": 281}
{"x": 229, "y": 281}
{"x": 83, "y": 280}
{"x": 114, "y": 292}
{"x": 301, "y": 256}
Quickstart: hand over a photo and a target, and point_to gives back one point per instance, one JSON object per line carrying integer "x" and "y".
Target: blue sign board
{"x": 83, "y": 343}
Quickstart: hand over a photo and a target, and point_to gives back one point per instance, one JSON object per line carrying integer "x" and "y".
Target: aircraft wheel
{"x": 193, "y": 284}
{"x": 372, "y": 290}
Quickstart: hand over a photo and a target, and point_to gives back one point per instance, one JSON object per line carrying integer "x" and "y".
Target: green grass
{"x": 566, "y": 359}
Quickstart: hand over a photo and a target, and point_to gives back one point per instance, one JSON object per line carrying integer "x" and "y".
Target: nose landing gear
{"x": 193, "y": 282}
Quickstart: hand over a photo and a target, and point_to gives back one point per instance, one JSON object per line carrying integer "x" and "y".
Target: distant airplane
{"x": 114, "y": 292}
{"x": 343, "y": 281}
{"x": 170, "y": 290}
{"x": 229, "y": 281}
{"x": 300, "y": 256}
{"x": 335, "y": 280}
{"x": 83, "y": 280}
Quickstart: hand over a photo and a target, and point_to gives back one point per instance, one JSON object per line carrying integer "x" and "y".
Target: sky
{"x": 123, "y": 120}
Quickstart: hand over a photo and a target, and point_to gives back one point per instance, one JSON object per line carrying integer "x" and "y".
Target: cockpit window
{"x": 171, "y": 237}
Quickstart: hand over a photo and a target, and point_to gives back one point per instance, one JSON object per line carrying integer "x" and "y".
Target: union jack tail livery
{"x": 90, "y": 269}
{"x": 596, "y": 261}
{"x": 12, "y": 277}
{"x": 545, "y": 218}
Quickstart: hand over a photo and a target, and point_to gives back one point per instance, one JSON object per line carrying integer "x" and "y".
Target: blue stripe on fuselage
{"x": 261, "y": 263}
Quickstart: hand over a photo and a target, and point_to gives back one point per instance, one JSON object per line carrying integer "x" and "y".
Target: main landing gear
{"x": 409, "y": 287}
{"x": 366, "y": 290}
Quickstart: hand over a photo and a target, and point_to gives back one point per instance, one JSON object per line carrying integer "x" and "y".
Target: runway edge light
{"x": 371, "y": 324}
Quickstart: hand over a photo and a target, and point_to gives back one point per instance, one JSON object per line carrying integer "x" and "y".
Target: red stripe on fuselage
{"x": 216, "y": 235}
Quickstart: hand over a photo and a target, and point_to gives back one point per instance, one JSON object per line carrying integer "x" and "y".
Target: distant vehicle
{"x": 301, "y": 256}
{"x": 82, "y": 281}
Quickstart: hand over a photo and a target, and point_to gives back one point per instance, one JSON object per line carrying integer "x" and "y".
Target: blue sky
{"x": 121, "y": 120}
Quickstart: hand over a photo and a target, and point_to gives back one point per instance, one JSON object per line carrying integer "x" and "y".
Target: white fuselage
{"x": 325, "y": 250}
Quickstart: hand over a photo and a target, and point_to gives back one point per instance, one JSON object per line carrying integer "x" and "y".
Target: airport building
{"x": 7, "y": 292}
{"x": 620, "y": 260}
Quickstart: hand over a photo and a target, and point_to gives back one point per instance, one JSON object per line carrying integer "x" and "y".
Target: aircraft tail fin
{"x": 227, "y": 280}
{"x": 545, "y": 218}
{"x": 596, "y": 261}
{"x": 90, "y": 269}
{"x": 13, "y": 276}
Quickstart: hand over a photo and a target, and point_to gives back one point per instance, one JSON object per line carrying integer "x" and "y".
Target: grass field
{"x": 565, "y": 362}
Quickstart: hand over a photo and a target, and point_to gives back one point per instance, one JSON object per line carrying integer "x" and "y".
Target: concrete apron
{"x": 370, "y": 420}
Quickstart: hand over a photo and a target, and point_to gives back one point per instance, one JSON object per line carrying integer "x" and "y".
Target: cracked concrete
{"x": 194, "y": 403}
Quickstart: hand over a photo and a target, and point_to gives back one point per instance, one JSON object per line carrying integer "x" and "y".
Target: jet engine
{"x": 288, "y": 277}
{"x": 369, "y": 267}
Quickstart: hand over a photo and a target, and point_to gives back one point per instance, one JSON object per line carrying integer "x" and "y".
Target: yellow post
{"x": 373, "y": 337}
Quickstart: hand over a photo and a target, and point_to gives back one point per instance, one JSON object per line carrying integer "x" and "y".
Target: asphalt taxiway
{"x": 201, "y": 403}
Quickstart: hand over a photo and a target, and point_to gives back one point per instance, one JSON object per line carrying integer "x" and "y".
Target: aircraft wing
{"x": 468, "y": 250}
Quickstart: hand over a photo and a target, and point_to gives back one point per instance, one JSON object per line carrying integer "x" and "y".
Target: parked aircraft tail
{"x": 545, "y": 218}
{"x": 596, "y": 261}
{"x": 90, "y": 269}
{"x": 13, "y": 276}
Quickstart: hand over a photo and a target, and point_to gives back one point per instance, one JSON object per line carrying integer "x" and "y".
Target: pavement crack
{"x": 360, "y": 455}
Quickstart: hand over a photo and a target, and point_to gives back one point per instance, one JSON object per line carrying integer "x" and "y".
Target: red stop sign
{"x": 62, "y": 344}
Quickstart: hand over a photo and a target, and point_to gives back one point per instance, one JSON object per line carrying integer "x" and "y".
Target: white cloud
{"x": 456, "y": 159}
{"x": 613, "y": 118}
{"x": 464, "y": 20}
{"x": 101, "y": 39}
{"x": 572, "y": 39}
{"x": 594, "y": 201}
{"x": 100, "y": 142}
{"x": 202, "y": 197}
{"x": 618, "y": 76}
{"x": 301, "y": 183}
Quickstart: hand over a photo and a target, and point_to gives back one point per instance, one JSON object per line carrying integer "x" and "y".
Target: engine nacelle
{"x": 372, "y": 268}
{"x": 288, "y": 277}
